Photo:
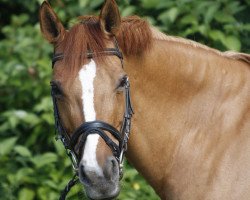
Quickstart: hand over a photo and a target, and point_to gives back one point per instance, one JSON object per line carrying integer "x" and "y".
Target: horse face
{"x": 101, "y": 100}
{"x": 93, "y": 94}
{"x": 88, "y": 90}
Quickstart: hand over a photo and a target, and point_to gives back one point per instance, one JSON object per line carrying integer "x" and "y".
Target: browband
{"x": 107, "y": 52}
{"x": 89, "y": 54}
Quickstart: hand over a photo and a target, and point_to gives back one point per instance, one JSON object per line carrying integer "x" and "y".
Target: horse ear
{"x": 110, "y": 18}
{"x": 51, "y": 27}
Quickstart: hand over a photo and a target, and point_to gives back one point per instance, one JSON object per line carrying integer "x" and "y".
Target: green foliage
{"x": 220, "y": 23}
{"x": 33, "y": 164}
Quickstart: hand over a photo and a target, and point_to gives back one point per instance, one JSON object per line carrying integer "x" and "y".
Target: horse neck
{"x": 164, "y": 84}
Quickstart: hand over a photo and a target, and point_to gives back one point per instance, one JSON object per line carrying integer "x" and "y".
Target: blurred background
{"x": 32, "y": 164}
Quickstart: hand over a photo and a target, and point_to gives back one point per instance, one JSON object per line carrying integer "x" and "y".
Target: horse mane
{"x": 228, "y": 54}
{"x": 134, "y": 38}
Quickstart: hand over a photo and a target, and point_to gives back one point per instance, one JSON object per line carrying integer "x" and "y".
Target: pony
{"x": 190, "y": 133}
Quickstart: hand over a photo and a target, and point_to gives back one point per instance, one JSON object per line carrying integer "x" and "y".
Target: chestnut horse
{"x": 190, "y": 135}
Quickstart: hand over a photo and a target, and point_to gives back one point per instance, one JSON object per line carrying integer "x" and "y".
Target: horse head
{"x": 88, "y": 88}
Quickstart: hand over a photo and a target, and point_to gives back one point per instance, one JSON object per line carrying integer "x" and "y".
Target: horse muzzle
{"x": 101, "y": 183}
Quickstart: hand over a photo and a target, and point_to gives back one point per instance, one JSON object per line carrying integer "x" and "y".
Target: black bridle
{"x": 94, "y": 127}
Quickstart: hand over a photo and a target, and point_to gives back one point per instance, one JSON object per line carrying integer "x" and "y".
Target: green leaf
{"x": 45, "y": 193}
{"x": 151, "y": 20}
{"x": 26, "y": 194}
{"x": 7, "y": 145}
{"x": 189, "y": 19}
{"x": 224, "y": 18}
{"x": 60, "y": 149}
{"x": 150, "y": 3}
{"x": 217, "y": 35}
{"x": 128, "y": 10}
{"x": 83, "y": 3}
{"x": 209, "y": 14}
{"x": 31, "y": 119}
{"x": 232, "y": 43}
{"x": 19, "y": 20}
{"x": 202, "y": 29}
{"x": 169, "y": 16}
{"x": 24, "y": 175}
{"x": 49, "y": 118}
{"x": 45, "y": 159}
{"x": 95, "y": 3}
{"x": 22, "y": 150}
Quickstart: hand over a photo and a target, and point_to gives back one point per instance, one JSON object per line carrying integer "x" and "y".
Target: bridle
{"x": 94, "y": 127}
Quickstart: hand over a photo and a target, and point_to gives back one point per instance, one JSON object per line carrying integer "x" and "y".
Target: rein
{"x": 94, "y": 127}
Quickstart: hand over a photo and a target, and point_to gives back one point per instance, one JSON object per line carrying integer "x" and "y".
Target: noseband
{"x": 71, "y": 143}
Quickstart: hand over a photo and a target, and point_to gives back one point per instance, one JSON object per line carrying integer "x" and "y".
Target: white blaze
{"x": 87, "y": 75}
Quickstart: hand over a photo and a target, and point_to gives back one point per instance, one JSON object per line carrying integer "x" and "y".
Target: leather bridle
{"x": 94, "y": 127}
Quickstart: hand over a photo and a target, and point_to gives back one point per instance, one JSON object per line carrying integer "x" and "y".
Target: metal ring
{"x": 73, "y": 159}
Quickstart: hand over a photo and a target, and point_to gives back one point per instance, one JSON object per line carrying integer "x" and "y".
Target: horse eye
{"x": 122, "y": 82}
{"x": 56, "y": 90}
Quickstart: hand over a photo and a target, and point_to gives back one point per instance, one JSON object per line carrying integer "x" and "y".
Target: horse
{"x": 190, "y": 133}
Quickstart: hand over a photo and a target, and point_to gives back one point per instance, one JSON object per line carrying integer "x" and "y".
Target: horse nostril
{"x": 114, "y": 164}
{"x": 111, "y": 168}
{"x": 83, "y": 176}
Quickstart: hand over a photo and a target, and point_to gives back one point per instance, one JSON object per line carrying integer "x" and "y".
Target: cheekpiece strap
{"x": 61, "y": 132}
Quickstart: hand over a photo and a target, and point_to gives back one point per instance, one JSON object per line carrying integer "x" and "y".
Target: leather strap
{"x": 97, "y": 127}
{"x": 89, "y": 54}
